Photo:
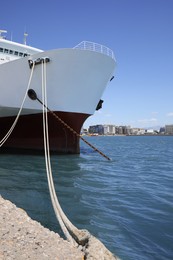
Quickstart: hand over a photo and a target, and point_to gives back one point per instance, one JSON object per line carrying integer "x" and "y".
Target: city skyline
{"x": 87, "y": 125}
{"x": 157, "y": 127}
{"x": 126, "y": 130}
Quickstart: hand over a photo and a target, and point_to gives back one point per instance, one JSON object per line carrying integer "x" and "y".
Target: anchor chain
{"x": 32, "y": 94}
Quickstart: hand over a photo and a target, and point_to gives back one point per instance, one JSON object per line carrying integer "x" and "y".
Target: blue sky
{"x": 140, "y": 32}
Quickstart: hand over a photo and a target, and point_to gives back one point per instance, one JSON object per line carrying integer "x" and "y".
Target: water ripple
{"x": 126, "y": 202}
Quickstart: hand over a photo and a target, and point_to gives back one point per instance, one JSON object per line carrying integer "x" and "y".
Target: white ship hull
{"x": 75, "y": 81}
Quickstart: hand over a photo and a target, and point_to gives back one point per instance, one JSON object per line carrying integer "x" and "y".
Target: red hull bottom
{"x": 27, "y": 136}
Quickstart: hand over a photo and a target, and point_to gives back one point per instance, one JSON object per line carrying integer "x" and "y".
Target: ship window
{"x": 25, "y": 54}
{"x": 1, "y": 49}
{"x": 20, "y": 54}
{"x": 6, "y": 50}
{"x": 11, "y": 52}
{"x": 16, "y": 53}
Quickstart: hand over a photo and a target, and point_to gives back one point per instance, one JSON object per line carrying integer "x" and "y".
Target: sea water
{"x": 127, "y": 202}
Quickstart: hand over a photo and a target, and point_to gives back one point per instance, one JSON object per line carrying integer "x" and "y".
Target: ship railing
{"x": 85, "y": 45}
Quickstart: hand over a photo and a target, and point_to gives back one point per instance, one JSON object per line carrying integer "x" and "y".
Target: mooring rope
{"x": 73, "y": 235}
{"x": 4, "y": 139}
{"x": 67, "y": 227}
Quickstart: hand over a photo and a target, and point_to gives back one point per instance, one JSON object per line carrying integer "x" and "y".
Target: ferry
{"x": 75, "y": 81}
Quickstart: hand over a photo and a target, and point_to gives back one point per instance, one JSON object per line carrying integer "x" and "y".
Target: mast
{"x": 25, "y": 36}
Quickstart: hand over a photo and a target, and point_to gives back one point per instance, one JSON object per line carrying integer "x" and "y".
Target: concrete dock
{"x": 22, "y": 238}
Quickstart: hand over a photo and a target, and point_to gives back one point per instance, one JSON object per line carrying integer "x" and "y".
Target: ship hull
{"x": 74, "y": 80}
{"x": 27, "y": 137}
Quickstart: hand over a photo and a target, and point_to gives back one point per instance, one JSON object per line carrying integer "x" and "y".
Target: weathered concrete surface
{"x": 95, "y": 250}
{"x": 22, "y": 238}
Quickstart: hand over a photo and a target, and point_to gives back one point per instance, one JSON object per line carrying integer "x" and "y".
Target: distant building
{"x": 96, "y": 129}
{"x": 124, "y": 130}
{"x": 109, "y": 129}
{"x": 120, "y": 130}
{"x": 127, "y": 130}
{"x": 169, "y": 129}
{"x": 84, "y": 131}
{"x": 162, "y": 130}
{"x": 149, "y": 131}
{"x": 137, "y": 131}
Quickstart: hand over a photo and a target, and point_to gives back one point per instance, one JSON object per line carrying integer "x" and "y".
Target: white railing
{"x": 91, "y": 46}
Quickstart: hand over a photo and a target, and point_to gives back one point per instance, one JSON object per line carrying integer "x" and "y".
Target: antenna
{"x": 1, "y": 36}
{"x": 25, "y": 36}
{"x": 11, "y": 36}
